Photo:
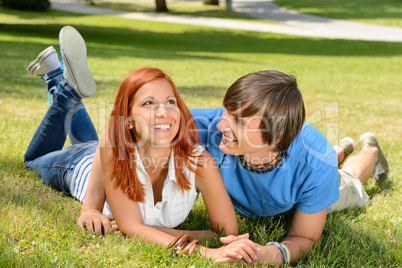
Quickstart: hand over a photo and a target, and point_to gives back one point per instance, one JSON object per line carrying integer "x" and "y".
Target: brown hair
{"x": 276, "y": 97}
{"x": 123, "y": 139}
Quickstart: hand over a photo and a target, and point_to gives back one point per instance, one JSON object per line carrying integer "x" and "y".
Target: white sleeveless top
{"x": 171, "y": 211}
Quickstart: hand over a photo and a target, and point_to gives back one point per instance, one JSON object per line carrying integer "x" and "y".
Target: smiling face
{"x": 271, "y": 98}
{"x": 243, "y": 136}
{"x": 155, "y": 115}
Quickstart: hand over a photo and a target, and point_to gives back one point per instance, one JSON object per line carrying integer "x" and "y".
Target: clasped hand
{"x": 238, "y": 249}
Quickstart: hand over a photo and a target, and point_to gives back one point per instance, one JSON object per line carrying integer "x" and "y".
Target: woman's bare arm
{"x": 128, "y": 216}
{"x": 91, "y": 218}
{"x": 220, "y": 210}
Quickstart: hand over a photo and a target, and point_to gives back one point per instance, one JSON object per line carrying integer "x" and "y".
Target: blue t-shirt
{"x": 307, "y": 178}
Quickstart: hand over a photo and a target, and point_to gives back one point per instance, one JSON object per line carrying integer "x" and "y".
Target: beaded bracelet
{"x": 279, "y": 245}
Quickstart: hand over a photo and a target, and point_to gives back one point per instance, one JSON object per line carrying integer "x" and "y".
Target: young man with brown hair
{"x": 274, "y": 163}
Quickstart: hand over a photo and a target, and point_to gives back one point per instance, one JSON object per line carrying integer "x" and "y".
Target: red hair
{"x": 123, "y": 169}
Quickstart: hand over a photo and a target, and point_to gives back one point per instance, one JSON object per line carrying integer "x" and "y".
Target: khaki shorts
{"x": 351, "y": 191}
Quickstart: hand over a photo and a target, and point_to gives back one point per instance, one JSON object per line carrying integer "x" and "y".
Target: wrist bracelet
{"x": 187, "y": 248}
{"x": 287, "y": 252}
{"x": 182, "y": 241}
{"x": 178, "y": 244}
{"x": 279, "y": 245}
{"x": 174, "y": 241}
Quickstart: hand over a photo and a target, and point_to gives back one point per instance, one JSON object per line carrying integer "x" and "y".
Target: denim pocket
{"x": 77, "y": 148}
{"x": 63, "y": 177}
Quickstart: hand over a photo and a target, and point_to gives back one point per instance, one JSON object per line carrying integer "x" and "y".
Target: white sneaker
{"x": 74, "y": 57}
{"x": 348, "y": 145}
{"x": 45, "y": 62}
{"x": 381, "y": 168}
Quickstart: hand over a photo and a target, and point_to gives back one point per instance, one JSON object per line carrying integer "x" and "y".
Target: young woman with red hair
{"x": 148, "y": 168}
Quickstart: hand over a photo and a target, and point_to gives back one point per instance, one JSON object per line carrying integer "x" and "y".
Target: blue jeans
{"x": 66, "y": 116}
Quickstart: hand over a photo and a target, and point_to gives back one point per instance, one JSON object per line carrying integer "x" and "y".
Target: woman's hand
{"x": 240, "y": 250}
{"x": 91, "y": 218}
{"x": 95, "y": 222}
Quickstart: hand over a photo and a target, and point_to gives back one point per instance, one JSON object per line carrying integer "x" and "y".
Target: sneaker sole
{"x": 381, "y": 156}
{"x": 39, "y": 59}
{"x": 74, "y": 56}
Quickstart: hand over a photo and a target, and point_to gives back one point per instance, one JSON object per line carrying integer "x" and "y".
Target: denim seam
{"x": 77, "y": 150}
{"x": 69, "y": 171}
{"x": 68, "y": 88}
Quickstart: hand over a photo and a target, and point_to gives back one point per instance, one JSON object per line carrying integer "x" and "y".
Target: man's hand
{"x": 232, "y": 238}
{"x": 96, "y": 222}
{"x": 264, "y": 256}
{"x": 238, "y": 249}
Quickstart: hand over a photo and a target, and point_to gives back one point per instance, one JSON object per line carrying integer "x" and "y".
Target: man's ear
{"x": 277, "y": 140}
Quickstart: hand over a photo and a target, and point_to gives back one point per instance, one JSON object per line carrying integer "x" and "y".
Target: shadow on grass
{"x": 29, "y": 15}
{"x": 343, "y": 245}
{"x": 163, "y": 45}
{"x": 381, "y": 187}
{"x": 173, "y": 10}
{"x": 197, "y": 43}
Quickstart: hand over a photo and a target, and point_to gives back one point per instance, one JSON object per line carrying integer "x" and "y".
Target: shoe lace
{"x": 62, "y": 64}
{"x": 48, "y": 97}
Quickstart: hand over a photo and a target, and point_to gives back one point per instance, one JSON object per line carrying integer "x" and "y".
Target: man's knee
{"x": 371, "y": 149}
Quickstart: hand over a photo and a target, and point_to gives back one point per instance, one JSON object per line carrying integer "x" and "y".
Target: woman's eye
{"x": 170, "y": 102}
{"x": 147, "y": 103}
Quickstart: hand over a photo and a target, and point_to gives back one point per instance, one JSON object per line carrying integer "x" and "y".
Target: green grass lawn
{"x": 349, "y": 87}
{"x": 383, "y": 12}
